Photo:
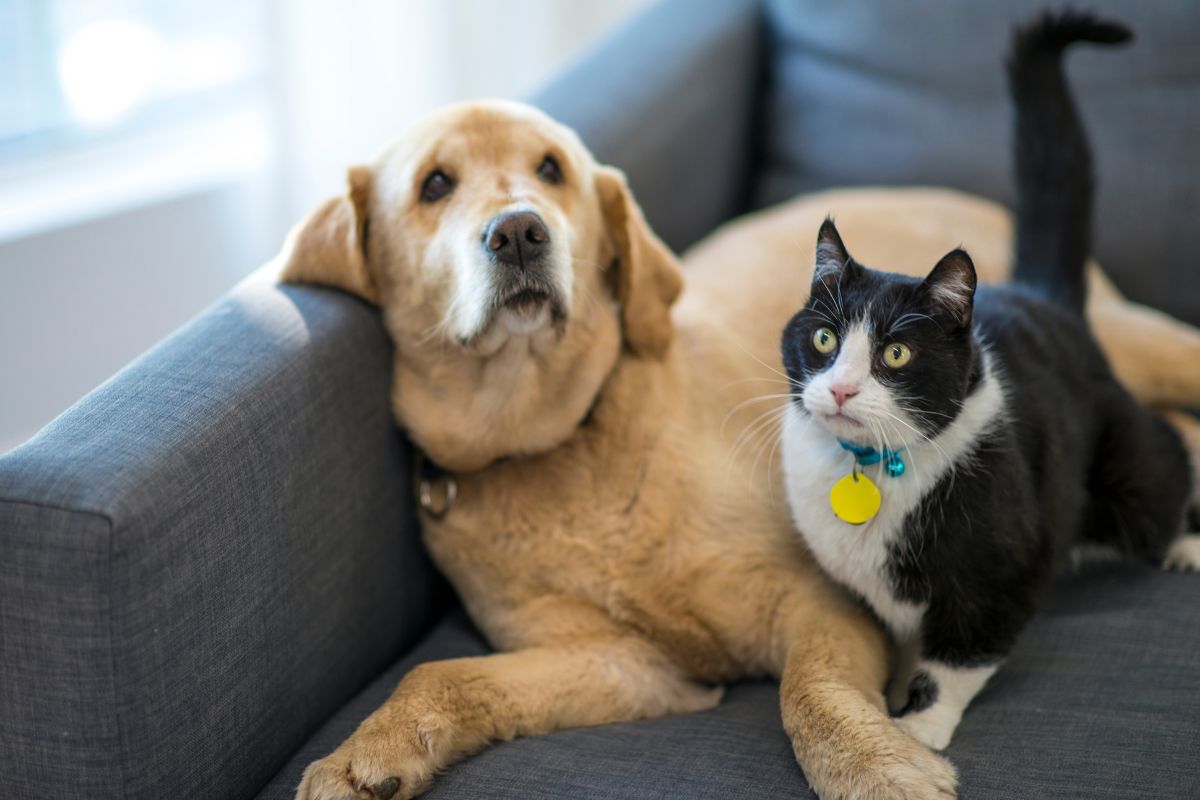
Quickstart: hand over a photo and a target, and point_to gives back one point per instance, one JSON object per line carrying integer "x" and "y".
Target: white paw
{"x": 933, "y": 727}
{"x": 1184, "y": 554}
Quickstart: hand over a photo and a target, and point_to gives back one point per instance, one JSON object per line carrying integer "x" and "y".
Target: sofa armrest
{"x": 672, "y": 98}
{"x": 207, "y": 555}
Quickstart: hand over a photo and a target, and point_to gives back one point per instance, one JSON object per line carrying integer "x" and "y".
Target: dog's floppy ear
{"x": 648, "y": 278}
{"x": 327, "y": 247}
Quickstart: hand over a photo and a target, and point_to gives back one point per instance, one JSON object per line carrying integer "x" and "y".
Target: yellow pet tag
{"x": 855, "y": 499}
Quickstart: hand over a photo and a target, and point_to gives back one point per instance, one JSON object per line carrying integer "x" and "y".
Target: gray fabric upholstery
{"x": 1098, "y": 701}
{"x": 206, "y": 556}
{"x": 913, "y": 93}
{"x": 672, "y": 99}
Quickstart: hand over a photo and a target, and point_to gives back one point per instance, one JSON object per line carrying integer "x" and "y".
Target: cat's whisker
{"x": 749, "y": 433}
{"x": 764, "y": 379}
{"x": 767, "y": 434}
{"x": 907, "y": 319}
{"x": 922, "y": 435}
{"x": 821, "y": 314}
{"x": 762, "y": 363}
{"x": 768, "y": 443}
{"x": 751, "y": 401}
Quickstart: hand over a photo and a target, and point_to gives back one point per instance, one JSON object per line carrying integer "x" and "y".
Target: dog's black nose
{"x": 518, "y": 238}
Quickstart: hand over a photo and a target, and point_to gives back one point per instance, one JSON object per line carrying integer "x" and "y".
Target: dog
{"x": 600, "y": 500}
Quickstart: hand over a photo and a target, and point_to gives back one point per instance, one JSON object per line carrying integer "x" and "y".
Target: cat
{"x": 944, "y": 445}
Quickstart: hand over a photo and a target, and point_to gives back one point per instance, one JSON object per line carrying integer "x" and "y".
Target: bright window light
{"x": 107, "y": 68}
{"x": 82, "y": 72}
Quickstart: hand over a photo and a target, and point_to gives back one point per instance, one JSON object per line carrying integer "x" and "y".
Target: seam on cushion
{"x": 122, "y": 756}
{"x": 55, "y": 507}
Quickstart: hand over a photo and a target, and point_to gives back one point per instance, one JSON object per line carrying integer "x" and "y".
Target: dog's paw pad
{"x": 386, "y": 789}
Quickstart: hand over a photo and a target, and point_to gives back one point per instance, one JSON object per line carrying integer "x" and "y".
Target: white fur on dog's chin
{"x": 509, "y": 325}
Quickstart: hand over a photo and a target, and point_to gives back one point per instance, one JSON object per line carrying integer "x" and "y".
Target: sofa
{"x": 210, "y": 569}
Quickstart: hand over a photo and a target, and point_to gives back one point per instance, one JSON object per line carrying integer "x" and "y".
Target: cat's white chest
{"x": 854, "y": 555}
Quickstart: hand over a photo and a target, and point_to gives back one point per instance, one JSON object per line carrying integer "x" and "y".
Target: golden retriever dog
{"x": 597, "y": 503}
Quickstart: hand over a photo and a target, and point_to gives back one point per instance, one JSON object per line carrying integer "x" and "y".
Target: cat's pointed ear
{"x": 951, "y": 286}
{"x": 833, "y": 261}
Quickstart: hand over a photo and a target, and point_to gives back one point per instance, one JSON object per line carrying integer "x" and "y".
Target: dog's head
{"x": 510, "y": 268}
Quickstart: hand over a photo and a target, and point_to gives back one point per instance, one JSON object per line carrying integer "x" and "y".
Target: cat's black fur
{"x": 1077, "y": 457}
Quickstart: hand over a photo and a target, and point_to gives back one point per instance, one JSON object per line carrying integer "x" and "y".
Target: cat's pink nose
{"x": 842, "y": 392}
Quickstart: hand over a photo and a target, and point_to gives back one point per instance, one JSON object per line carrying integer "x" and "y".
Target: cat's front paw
{"x": 934, "y": 727}
{"x": 1184, "y": 554}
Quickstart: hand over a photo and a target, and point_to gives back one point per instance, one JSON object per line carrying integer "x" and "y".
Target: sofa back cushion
{"x": 887, "y": 93}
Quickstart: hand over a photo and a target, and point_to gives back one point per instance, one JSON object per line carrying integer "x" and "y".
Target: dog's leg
{"x": 445, "y": 710}
{"x": 832, "y": 701}
{"x": 1153, "y": 354}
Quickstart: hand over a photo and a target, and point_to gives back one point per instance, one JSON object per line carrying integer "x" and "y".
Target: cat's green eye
{"x": 896, "y": 355}
{"x": 824, "y": 340}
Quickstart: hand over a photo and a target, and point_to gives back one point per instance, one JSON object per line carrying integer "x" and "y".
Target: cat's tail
{"x": 1053, "y": 159}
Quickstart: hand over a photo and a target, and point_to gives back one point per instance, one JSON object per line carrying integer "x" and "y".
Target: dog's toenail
{"x": 386, "y": 788}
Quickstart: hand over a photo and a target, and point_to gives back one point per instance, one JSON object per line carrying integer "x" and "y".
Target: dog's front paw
{"x": 903, "y": 771}
{"x": 337, "y": 777}
{"x": 921, "y": 775}
{"x": 881, "y": 764}
{"x": 915, "y": 774}
{"x": 373, "y": 765}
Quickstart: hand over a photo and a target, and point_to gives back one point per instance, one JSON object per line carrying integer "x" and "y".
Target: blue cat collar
{"x": 866, "y": 455}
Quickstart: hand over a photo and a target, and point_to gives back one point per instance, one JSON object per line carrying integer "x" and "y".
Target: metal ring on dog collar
{"x": 449, "y": 495}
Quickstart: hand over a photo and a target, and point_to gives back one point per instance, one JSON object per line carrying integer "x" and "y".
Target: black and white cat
{"x": 944, "y": 445}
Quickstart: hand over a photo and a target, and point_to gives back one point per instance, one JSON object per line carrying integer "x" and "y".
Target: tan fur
{"x": 628, "y": 565}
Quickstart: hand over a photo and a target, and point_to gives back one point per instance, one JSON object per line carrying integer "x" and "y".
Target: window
{"x": 84, "y": 72}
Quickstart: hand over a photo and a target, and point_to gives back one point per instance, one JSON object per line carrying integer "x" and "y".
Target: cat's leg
{"x": 900, "y": 684}
{"x": 1140, "y": 486}
{"x": 964, "y": 639}
{"x": 938, "y": 695}
{"x": 1184, "y": 553}
{"x": 1188, "y": 427}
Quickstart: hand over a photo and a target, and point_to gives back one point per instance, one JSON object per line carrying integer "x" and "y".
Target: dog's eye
{"x": 436, "y": 186}
{"x": 549, "y": 171}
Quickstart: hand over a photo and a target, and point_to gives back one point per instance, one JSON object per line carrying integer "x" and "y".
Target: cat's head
{"x": 877, "y": 357}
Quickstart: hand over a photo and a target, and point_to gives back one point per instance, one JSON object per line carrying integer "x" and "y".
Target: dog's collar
{"x": 437, "y": 488}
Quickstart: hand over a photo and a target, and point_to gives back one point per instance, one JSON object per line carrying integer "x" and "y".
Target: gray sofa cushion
{"x": 206, "y": 556}
{"x": 901, "y": 93}
{"x": 1098, "y": 701}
